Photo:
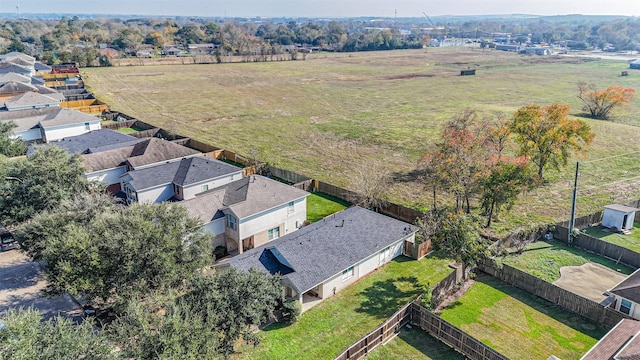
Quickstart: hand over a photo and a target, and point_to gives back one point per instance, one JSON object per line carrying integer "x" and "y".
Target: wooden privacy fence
{"x": 575, "y": 303}
{"x": 442, "y": 330}
{"x": 382, "y": 333}
{"x": 600, "y": 247}
{"x": 119, "y": 125}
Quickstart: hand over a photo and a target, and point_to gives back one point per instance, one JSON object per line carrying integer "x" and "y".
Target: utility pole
{"x": 572, "y": 219}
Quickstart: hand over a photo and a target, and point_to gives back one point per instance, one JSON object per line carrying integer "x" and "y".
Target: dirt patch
{"x": 406, "y": 76}
{"x": 589, "y": 280}
{"x": 453, "y": 296}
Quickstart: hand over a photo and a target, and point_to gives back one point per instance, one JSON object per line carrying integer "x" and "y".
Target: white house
{"x": 180, "y": 180}
{"x": 249, "y": 212}
{"x": 29, "y": 100}
{"x": 107, "y": 166}
{"x": 323, "y": 258}
{"x": 618, "y": 216}
{"x": 49, "y": 123}
{"x": 627, "y": 295}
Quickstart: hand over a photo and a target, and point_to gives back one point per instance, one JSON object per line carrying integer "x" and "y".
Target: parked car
{"x": 7, "y": 241}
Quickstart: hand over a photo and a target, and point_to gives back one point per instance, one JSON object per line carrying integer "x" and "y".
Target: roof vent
{"x": 341, "y": 224}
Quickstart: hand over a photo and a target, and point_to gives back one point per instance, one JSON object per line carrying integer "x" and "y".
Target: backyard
{"x": 320, "y": 205}
{"x": 328, "y": 328}
{"x": 321, "y": 116}
{"x": 631, "y": 241}
{"x": 520, "y": 325}
{"x": 544, "y": 259}
{"x": 414, "y": 344}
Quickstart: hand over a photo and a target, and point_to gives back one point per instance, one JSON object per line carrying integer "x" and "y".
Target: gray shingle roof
{"x": 16, "y": 87}
{"x": 261, "y": 194}
{"x": 94, "y": 141}
{"x": 146, "y": 152}
{"x": 183, "y": 173}
{"x": 62, "y": 116}
{"x": 26, "y": 119}
{"x": 629, "y": 288}
{"x": 38, "y": 66}
{"x": 49, "y": 92}
{"x": 7, "y": 67}
{"x": 30, "y": 98}
{"x": 4, "y": 78}
{"x": 16, "y": 54}
{"x": 205, "y": 206}
{"x": 618, "y": 343}
{"x": 327, "y": 247}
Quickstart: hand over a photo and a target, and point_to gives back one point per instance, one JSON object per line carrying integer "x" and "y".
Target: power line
{"x": 609, "y": 157}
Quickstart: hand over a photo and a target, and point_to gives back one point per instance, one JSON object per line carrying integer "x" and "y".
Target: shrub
{"x": 291, "y": 310}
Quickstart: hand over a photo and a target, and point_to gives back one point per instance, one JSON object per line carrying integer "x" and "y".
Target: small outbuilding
{"x": 635, "y": 64}
{"x": 620, "y": 217}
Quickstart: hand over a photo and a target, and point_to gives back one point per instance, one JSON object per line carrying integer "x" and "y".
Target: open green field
{"x": 324, "y": 115}
{"x": 328, "y": 328}
{"x": 521, "y": 325}
{"x": 544, "y": 259}
{"x": 321, "y": 205}
{"x": 631, "y": 241}
{"x": 414, "y": 344}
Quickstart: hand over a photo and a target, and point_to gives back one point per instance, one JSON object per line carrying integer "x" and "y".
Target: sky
{"x": 323, "y": 8}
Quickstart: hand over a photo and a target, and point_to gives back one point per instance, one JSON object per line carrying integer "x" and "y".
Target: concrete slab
{"x": 589, "y": 280}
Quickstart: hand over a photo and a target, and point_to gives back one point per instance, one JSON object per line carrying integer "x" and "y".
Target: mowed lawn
{"x": 321, "y": 205}
{"x": 414, "y": 344}
{"x": 520, "y": 325}
{"x": 544, "y": 259}
{"x": 328, "y": 328}
{"x": 331, "y": 112}
{"x": 631, "y": 241}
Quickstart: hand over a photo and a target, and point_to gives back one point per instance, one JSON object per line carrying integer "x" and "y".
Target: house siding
{"x": 635, "y": 307}
{"x": 29, "y": 135}
{"x": 109, "y": 176}
{"x": 157, "y": 194}
{"x": 57, "y": 133}
{"x": 280, "y": 215}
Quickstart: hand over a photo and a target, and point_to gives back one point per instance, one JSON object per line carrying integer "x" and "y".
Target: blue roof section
{"x": 95, "y": 141}
{"x": 327, "y": 247}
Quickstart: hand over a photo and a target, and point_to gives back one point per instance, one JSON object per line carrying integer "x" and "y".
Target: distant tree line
{"x": 75, "y": 39}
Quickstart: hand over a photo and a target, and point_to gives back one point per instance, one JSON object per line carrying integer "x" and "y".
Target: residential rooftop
{"x": 620, "y": 343}
{"x": 629, "y": 288}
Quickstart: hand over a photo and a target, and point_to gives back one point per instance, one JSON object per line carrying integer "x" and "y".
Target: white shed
{"x": 618, "y": 216}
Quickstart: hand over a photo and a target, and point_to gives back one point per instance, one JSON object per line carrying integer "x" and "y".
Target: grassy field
{"x": 328, "y": 328}
{"x": 545, "y": 258}
{"x": 520, "y": 325}
{"x": 323, "y": 115}
{"x": 631, "y": 241}
{"x": 321, "y": 205}
{"x": 414, "y": 344}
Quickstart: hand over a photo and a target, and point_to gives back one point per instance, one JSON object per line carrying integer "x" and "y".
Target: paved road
{"x": 20, "y": 283}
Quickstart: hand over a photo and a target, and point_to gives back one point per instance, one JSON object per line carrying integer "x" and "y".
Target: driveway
{"x": 21, "y": 282}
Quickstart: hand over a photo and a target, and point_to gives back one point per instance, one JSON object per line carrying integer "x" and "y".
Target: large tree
{"x": 500, "y": 189}
{"x": 8, "y": 145}
{"x": 600, "y": 103}
{"x": 204, "y": 323}
{"x": 39, "y": 182}
{"x": 547, "y": 136}
{"x": 25, "y": 335}
{"x": 111, "y": 253}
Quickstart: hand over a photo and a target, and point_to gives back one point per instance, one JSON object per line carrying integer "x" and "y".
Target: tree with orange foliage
{"x": 601, "y": 102}
{"x": 547, "y": 136}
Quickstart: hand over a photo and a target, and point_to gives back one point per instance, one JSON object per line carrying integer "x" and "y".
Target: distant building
{"x": 635, "y": 65}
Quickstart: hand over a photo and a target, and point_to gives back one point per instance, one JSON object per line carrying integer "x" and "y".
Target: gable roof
{"x": 250, "y": 195}
{"x": 7, "y": 67}
{"x": 182, "y": 173}
{"x": 63, "y": 116}
{"x": 21, "y": 62}
{"x": 4, "y": 78}
{"x": 325, "y": 248}
{"x": 17, "y": 55}
{"x": 14, "y": 87}
{"x": 620, "y": 343}
{"x": 26, "y": 119}
{"x": 38, "y": 66}
{"x": 30, "y": 98}
{"x": 629, "y": 288}
{"x": 49, "y": 92}
{"x": 94, "y": 141}
{"x": 260, "y": 193}
{"x": 146, "y": 152}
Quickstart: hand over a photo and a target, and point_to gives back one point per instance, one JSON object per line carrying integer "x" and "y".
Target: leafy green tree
{"x": 26, "y": 336}
{"x": 8, "y": 146}
{"x": 548, "y": 137}
{"x": 458, "y": 236}
{"x": 39, "y": 182}
{"x": 206, "y": 322}
{"x": 111, "y": 253}
{"x": 500, "y": 189}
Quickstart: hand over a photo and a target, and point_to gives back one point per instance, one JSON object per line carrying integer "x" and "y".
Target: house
{"x": 173, "y": 51}
{"x": 7, "y": 67}
{"x": 41, "y": 68}
{"x": 249, "y": 212}
{"x": 323, "y": 258}
{"x": 618, "y": 217}
{"x": 107, "y": 166}
{"x": 508, "y": 47}
{"x": 13, "y": 88}
{"x": 635, "y": 64}
{"x": 621, "y": 342}
{"x": 29, "y": 100}
{"x": 201, "y": 49}
{"x": 627, "y": 295}
{"x": 180, "y": 180}
{"x": 536, "y": 51}
{"x": 95, "y": 141}
{"x": 143, "y": 53}
{"x": 46, "y": 124}
{"x": 49, "y": 92}
{"x": 5, "y": 78}
{"x": 110, "y": 53}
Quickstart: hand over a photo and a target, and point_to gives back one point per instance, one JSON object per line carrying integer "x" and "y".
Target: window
{"x": 232, "y": 222}
{"x": 291, "y": 208}
{"x": 347, "y": 274}
{"x": 274, "y": 233}
{"x": 205, "y": 187}
{"x": 87, "y": 126}
{"x": 625, "y": 306}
